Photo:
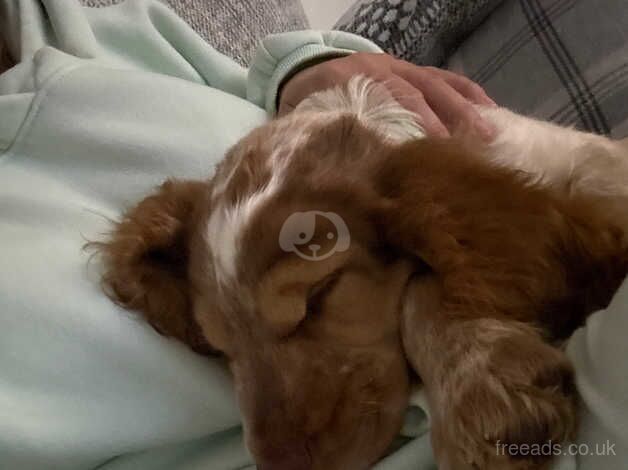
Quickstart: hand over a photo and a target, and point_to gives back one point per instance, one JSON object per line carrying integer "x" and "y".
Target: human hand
{"x": 442, "y": 100}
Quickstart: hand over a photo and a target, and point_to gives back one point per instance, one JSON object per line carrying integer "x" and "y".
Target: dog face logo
{"x": 314, "y": 235}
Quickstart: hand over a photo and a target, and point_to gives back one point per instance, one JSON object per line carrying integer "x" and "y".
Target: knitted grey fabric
{"x": 234, "y": 27}
{"x": 100, "y": 3}
{"x": 420, "y": 31}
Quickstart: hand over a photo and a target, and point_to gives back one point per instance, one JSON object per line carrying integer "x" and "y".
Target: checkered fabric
{"x": 560, "y": 60}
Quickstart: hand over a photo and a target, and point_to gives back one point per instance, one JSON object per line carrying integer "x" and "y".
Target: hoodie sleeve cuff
{"x": 281, "y": 56}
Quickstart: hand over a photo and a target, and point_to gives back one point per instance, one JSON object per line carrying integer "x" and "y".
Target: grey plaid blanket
{"x": 561, "y": 60}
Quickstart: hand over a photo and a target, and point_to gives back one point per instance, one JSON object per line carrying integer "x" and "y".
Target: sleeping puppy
{"x": 304, "y": 257}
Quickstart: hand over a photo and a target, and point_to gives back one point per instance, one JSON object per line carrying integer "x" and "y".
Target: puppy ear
{"x": 286, "y": 290}
{"x": 146, "y": 260}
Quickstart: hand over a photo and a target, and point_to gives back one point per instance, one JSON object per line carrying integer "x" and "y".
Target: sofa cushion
{"x": 420, "y": 31}
{"x": 560, "y": 60}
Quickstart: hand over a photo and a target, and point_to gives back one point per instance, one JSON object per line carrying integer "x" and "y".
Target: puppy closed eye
{"x": 290, "y": 286}
{"x": 319, "y": 291}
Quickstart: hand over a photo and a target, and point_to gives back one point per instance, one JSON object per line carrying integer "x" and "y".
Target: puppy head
{"x": 277, "y": 263}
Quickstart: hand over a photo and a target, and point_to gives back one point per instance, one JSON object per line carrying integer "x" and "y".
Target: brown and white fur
{"x": 522, "y": 238}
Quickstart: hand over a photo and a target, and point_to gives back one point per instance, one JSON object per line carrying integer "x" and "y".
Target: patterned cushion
{"x": 420, "y": 31}
{"x": 234, "y": 27}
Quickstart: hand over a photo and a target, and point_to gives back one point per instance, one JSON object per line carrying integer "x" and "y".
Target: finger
{"x": 465, "y": 86}
{"x": 413, "y": 100}
{"x": 451, "y": 107}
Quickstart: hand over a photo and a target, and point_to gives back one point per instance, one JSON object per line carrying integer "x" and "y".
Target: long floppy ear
{"x": 146, "y": 260}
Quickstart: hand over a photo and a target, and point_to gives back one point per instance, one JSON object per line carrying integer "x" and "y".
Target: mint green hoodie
{"x": 104, "y": 105}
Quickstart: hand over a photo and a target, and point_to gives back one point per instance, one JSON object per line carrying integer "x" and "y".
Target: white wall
{"x": 323, "y": 14}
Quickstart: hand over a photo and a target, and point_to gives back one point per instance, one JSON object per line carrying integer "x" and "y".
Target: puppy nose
{"x": 314, "y": 247}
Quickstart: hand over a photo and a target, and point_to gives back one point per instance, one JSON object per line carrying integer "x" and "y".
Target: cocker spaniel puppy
{"x": 336, "y": 243}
